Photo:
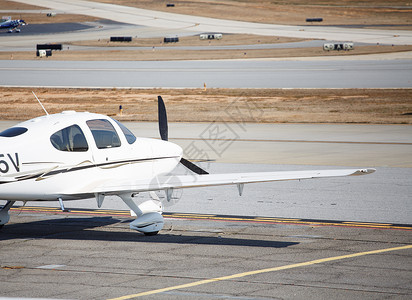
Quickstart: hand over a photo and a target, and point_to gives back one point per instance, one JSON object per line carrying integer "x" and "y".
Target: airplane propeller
{"x": 163, "y": 129}
{"x": 162, "y": 117}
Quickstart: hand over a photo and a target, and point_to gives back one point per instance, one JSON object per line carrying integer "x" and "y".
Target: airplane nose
{"x": 166, "y": 149}
{"x": 175, "y": 149}
{"x": 167, "y": 156}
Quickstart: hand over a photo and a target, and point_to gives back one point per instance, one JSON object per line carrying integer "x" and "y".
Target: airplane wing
{"x": 190, "y": 181}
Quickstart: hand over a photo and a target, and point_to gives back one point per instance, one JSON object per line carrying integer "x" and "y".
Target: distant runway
{"x": 216, "y": 74}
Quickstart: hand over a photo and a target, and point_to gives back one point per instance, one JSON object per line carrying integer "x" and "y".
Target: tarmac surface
{"x": 34, "y": 29}
{"x": 97, "y": 257}
{"x": 216, "y": 74}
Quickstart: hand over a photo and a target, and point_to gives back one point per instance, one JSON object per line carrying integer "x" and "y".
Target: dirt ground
{"x": 11, "y": 5}
{"x": 228, "y": 39}
{"x": 156, "y": 54}
{"x": 40, "y": 18}
{"x": 289, "y": 12}
{"x": 369, "y": 106}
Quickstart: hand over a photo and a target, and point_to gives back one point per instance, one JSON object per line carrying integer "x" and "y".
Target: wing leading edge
{"x": 191, "y": 181}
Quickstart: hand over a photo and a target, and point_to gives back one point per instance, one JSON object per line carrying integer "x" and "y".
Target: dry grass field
{"x": 41, "y": 17}
{"x": 11, "y": 5}
{"x": 172, "y": 54}
{"x": 289, "y": 12}
{"x": 382, "y": 106}
{"x": 228, "y": 39}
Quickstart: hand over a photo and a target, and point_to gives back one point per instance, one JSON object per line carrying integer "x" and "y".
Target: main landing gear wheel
{"x": 151, "y": 233}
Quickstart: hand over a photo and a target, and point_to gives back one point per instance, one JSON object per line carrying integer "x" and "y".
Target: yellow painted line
{"x": 372, "y": 225}
{"x": 230, "y": 219}
{"x": 220, "y": 218}
{"x": 365, "y": 223}
{"x": 398, "y": 227}
{"x": 97, "y": 212}
{"x": 239, "y": 275}
{"x": 208, "y": 217}
{"x": 277, "y": 220}
{"x": 215, "y": 217}
{"x": 57, "y": 210}
{"x": 274, "y": 219}
{"x": 31, "y": 208}
{"x": 191, "y": 215}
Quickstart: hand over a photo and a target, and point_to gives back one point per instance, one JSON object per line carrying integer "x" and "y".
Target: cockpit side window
{"x": 13, "y": 131}
{"x": 104, "y": 133}
{"x": 70, "y": 139}
{"x": 127, "y": 133}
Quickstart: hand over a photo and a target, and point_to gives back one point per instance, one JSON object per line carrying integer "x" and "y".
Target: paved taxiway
{"x": 97, "y": 257}
{"x": 216, "y": 74}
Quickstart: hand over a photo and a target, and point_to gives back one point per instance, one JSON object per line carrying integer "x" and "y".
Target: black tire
{"x": 151, "y": 233}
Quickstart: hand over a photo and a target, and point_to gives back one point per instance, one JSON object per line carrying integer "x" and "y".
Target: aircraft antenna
{"x": 40, "y": 103}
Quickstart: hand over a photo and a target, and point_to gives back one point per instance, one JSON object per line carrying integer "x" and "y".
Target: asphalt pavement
{"x": 216, "y": 74}
{"x": 68, "y": 256}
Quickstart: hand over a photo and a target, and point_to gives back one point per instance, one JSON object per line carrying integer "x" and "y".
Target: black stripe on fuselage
{"x": 73, "y": 169}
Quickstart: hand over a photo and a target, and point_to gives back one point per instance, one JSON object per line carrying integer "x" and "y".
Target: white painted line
{"x": 50, "y": 267}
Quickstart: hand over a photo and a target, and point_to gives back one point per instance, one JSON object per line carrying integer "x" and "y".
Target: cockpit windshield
{"x": 127, "y": 133}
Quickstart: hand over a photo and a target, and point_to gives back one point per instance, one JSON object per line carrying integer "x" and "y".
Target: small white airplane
{"x": 79, "y": 155}
{"x": 12, "y": 25}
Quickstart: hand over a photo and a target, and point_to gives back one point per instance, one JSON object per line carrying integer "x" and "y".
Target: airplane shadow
{"x": 87, "y": 229}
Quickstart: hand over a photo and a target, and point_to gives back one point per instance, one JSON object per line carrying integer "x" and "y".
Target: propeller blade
{"x": 163, "y": 129}
{"x": 192, "y": 167}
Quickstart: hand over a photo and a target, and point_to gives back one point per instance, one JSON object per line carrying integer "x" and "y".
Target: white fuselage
{"x": 70, "y": 151}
